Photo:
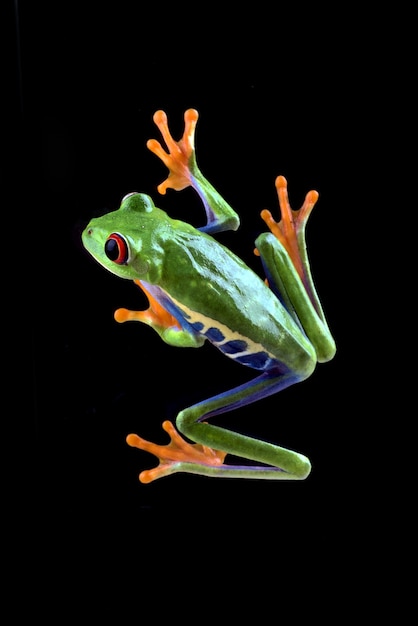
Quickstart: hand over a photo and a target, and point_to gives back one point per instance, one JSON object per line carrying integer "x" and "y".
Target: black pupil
{"x": 112, "y": 249}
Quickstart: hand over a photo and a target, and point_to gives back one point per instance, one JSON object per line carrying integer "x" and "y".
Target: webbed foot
{"x": 290, "y": 230}
{"x": 174, "y": 455}
{"x": 179, "y": 159}
{"x": 155, "y": 316}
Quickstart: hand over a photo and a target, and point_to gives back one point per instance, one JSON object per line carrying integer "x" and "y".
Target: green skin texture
{"x": 178, "y": 261}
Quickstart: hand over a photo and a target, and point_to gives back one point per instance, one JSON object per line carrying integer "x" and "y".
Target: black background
{"x": 277, "y": 94}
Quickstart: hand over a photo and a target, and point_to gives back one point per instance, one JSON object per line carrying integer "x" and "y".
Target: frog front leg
{"x": 173, "y": 330}
{"x": 184, "y": 172}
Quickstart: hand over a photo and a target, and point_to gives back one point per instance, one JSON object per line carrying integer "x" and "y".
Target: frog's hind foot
{"x": 175, "y": 456}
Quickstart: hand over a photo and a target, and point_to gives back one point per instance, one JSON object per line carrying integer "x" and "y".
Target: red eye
{"x": 116, "y": 249}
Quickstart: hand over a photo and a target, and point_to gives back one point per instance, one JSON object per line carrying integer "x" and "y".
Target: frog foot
{"x": 155, "y": 316}
{"x": 290, "y": 230}
{"x": 180, "y": 156}
{"x": 173, "y": 455}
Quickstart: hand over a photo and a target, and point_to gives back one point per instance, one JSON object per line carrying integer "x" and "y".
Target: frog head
{"x": 127, "y": 242}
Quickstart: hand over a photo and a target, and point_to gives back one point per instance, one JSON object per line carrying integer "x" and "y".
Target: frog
{"x": 200, "y": 291}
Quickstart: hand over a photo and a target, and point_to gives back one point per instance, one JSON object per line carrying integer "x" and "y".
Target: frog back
{"x": 226, "y": 301}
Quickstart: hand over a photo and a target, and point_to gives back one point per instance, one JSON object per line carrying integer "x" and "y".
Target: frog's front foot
{"x": 155, "y": 316}
{"x": 180, "y": 158}
{"x": 175, "y": 455}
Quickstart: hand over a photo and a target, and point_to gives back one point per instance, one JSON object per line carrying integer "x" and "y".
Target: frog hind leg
{"x": 213, "y": 443}
{"x": 175, "y": 454}
{"x": 290, "y": 231}
{"x": 285, "y": 260}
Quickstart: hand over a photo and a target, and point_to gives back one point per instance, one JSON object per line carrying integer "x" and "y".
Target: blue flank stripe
{"x": 236, "y": 348}
{"x": 214, "y": 335}
{"x": 258, "y": 360}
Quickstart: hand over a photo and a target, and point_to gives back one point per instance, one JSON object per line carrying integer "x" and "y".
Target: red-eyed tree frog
{"x": 199, "y": 290}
